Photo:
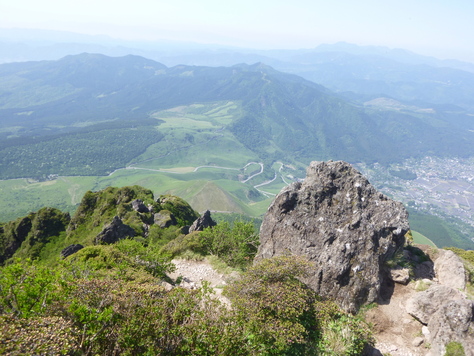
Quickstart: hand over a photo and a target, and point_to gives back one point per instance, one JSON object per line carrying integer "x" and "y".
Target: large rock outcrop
{"x": 450, "y": 270}
{"x": 139, "y": 206}
{"x": 343, "y": 224}
{"x": 114, "y": 232}
{"x": 444, "y": 308}
{"x": 164, "y": 219}
{"x": 203, "y": 222}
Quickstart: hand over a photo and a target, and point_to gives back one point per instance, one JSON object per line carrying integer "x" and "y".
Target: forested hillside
{"x": 281, "y": 115}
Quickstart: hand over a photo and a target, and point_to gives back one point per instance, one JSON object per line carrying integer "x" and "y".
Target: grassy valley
{"x": 193, "y": 157}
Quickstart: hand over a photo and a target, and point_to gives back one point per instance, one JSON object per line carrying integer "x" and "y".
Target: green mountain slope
{"x": 282, "y": 115}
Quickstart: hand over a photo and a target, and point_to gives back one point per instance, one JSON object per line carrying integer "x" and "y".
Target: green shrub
{"x": 191, "y": 242}
{"x": 282, "y": 316}
{"x": 275, "y": 308}
{"x": 26, "y": 289}
{"x": 343, "y": 334}
{"x": 454, "y": 349}
{"x": 152, "y": 261}
{"x": 273, "y": 313}
{"x": 37, "y": 336}
{"x": 182, "y": 211}
{"x": 236, "y": 245}
{"x": 26, "y": 237}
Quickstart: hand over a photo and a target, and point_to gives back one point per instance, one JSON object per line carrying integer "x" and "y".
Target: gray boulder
{"x": 164, "y": 219}
{"x": 453, "y": 321}
{"x": 424, "y": 304}
{"x": 449, "y": 270}
{"x": 204, "y": 221}
{"x": 400, "y": 275}
{"x": 139, "y": 206}
{"x": 114, "y": 232}
{"x": 71, "y": 249}
{"x": 342, "y": 223}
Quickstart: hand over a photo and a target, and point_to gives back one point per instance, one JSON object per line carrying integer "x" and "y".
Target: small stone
{"x": 425, "y": 331}
{"x": 400, "y": 275}
{"x": 417, "y": 341}
{"x": 167, "y": 286}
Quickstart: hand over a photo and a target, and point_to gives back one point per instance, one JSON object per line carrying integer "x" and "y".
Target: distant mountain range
{"x": 282, "y": 115}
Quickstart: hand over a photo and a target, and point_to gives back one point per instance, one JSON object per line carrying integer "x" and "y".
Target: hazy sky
{"x": 444, "y": 28}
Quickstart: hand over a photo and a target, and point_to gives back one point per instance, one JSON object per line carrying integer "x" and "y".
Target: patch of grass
{"x": 421, "y": 286}
{"x": 422, "y": 239}
{"x": 365, "y": 308}
{"x": 220, "y": 266}
{"x": 454, "y": 348}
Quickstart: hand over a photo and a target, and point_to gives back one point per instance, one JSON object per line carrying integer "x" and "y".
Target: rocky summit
{"x": 338, "y": 220}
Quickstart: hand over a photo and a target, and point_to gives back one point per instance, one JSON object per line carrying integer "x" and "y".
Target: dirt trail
{"x": 395, "y": 331}
{"x": 193, "y": 273}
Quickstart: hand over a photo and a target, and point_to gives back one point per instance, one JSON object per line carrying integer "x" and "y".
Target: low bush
{"x": 273, "y": 313}
{"x": 454, "y": 349}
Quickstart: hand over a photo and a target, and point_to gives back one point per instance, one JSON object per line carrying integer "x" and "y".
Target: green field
{"x": 422, "y": 239}
{"x": 206, "y": 189}
{"x": 196, "y": 159}
{"x": 443, "y": 232}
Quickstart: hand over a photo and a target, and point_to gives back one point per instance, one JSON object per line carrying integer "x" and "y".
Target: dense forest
{"x": 87, "y": 153}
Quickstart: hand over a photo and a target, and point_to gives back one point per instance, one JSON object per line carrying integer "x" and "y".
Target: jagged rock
{"x": 400, "y": 275}
{"x": 424, "y": 304}
{"x": 449, "y": 270}
{"x": 114, "y": 232}
{"x": 71, "y": 249}
{"x": 146, "y": 230}
{"x": 341, "y": 222}
{"x": 202, "y": 222}
{"x": 138, "y": 205}
{"x": 453, "y": 321}
{"x": 164, "y": 219}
